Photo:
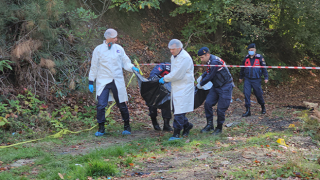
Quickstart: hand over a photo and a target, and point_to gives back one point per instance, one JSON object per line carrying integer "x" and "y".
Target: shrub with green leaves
{"x": 5, "y": 64}
{"x": 48, "y": 41}
{"x": 311, "y": 125}
{"x": 27, "y": 116}
{"x": 129, "y": 5}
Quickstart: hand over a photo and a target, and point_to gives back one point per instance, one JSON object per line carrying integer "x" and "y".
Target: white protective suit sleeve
{"x": 199, "y": 79}
{"x": 178, "y": 71}
{"x": 94, "y": 65}
{"x": 206, "y": 86}
{"x": 127, "y": 65}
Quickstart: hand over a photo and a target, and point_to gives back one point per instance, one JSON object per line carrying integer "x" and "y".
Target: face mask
{"x": 251, "y": 53}
{"x": 109, "y": 45}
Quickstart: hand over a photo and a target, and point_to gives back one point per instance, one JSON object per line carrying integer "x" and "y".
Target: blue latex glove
{"x": 91, "y": 88}
{"x": 136, "y": 69}
{"x": 161, "y": 81}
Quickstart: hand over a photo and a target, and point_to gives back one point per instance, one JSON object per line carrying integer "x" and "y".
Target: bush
{"x": 28, "y": 117}
{"x": 311, "y": 125}
{"x": 48, "y": 42}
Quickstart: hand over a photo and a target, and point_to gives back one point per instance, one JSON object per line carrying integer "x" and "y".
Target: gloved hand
{"x": 199, "y": 87}
{"x": 161, "y": 81}
{"x": 199, "y": 79}
{"x": 91, "y": 88}
{"x": 136, "y": 69}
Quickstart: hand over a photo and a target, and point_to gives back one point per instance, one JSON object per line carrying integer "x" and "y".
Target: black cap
{"x": 203, "y": 51}
{"x": 252, "y": 45}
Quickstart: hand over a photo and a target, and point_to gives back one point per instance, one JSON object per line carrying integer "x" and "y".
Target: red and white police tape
{"x": 274, "y": 67}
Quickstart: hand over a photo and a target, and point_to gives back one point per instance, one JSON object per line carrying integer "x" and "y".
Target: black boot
{"x": 247, "y": 113}
{"x": 218, "y": 130}
{"x": 101, "y": 130}
{"x": 166, "y": 125}
{"x": 176, "y": 135}
{"x": 209, "y": 127}
{"x": 187, "y": 129}
{"x": 126, "y": 128}
{"x": 263, "y": 111}
{"x": 155, "y": 124}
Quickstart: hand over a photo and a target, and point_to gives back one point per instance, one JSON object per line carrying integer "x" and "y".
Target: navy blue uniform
{"x": 103, "y": 103}
{"x": 252, "y": 78}
{"x": 160, "y": 71}
{"x": 221, "y": 92}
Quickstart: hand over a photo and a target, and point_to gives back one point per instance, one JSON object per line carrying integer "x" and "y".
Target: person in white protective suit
{"x": 107, "y": 62}
{"x": 182, "y": 88}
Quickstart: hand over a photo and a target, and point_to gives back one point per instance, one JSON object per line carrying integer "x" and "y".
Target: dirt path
{"x": 232, "y": 152}
{"x": 273, "y": 123}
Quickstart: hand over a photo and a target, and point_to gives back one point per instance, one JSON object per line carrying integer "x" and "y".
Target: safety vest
{"x": 160, "y": 71}
{"x": 253, "y": 72}
{"x": 166, "y": 71}
{"x": 256, "y": 62}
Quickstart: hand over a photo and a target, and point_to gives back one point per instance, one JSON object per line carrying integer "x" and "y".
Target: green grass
{"x": 114, "y": 160}
{"x": 98, "y": 168}
{"x": 20, "y": 152}
{"x": 286, "y": 170}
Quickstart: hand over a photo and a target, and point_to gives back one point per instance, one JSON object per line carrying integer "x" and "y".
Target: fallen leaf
{"x": 291, "y": 126}
{"x": 297, "y": 174}
{"x": 60, "y": 175}
{"x": 153, "y": 157}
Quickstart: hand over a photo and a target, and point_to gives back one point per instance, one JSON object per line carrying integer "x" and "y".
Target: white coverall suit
{"x": 106, "y": 69}
{"x": 182, "y": 87}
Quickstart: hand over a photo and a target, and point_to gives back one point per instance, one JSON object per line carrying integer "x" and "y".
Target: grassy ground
{"x": 247, "y": 150}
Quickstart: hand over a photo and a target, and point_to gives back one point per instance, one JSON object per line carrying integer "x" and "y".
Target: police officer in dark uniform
{"x": 252, "y": 78}
{"x": 221, "y": 91}
{"x": 160, "y": 71}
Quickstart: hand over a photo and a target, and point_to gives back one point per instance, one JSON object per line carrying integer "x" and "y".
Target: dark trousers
{"x": 222, "y": 96}
{"x": 180, "y": 121}
{"x": 103, "y": 103}
{"x": 255, "y": 84}
{"x": 166, "y": 112}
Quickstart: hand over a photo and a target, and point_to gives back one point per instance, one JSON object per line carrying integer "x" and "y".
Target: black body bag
{"x": 159, "y": 95}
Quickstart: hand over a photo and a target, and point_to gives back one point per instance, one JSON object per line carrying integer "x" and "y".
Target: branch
{"x": 191, "y": 36}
